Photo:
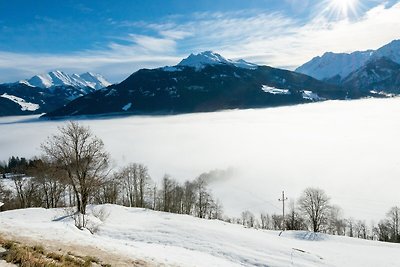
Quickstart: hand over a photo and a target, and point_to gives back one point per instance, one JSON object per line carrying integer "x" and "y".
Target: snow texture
{"x": 182, "y": 240}
{"x": 331, "y": 64}
{"x": 127, "y": 107}
{"x": 199, "y": 61}
{"x": 59, "y": 78}
{"x": 311, "y": 96}
{"x": 275, "y": 91}
{"x": 25, "y": 106}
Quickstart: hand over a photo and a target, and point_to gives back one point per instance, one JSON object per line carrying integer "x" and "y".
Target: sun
{"x": 343, "y": 8}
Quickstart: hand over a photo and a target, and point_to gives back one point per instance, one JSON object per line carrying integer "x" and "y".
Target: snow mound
{"x": 170, "y": 239}
{"x": 25, "y": 106}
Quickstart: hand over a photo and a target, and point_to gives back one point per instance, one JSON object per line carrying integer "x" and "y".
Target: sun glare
{"x": 343, "y": 8}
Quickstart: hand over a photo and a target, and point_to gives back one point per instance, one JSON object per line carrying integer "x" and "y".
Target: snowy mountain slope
{"x": 24, "y": 105}
{"x": 46, "y": 92}
{"x": 391, "y": 51}
{"x": 332, "y": 65}
{"x": 181, "y": 240}
{"x": 381, "y": 74}
{"x": 59, "y": 78}
{"x": 204, "y": 82}
{"x": 199, "y": 61}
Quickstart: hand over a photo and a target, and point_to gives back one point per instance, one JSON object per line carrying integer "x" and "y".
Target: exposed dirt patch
{"x": 103, "y": 255}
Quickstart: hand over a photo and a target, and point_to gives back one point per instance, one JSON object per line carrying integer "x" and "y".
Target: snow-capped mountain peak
{"x": 331, "y": 64}
{"x": 59, "y": 78}
{"x": 340, "y": 65}
{"x": 202, "y": 59}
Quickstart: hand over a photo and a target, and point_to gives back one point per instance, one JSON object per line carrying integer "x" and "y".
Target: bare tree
{"x": 248, "y": 219}
{"x": 203, "y": 196}
{"x": 135, "y": 181}
{"x": 166, "y": 189}
{"x": 336, "y": 225}
{"x": 50, "y": 182}
{"x": 394, "y": 219}
{"x": 294, "y": 220}
{"x": 314, "y": 204}
{"x": 276, "y": 221}
{"x": 189, "y": 197}
{"x": 82, "y": 156}
{"x": 265, "y": 221}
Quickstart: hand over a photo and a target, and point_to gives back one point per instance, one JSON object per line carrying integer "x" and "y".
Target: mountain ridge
{"x": 202, "y": 83}
{"x": 331, "y": 65}
{"x": 60, "y": 78}
{"x": 46, "y": 92}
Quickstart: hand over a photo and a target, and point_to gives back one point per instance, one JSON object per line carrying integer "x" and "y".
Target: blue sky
{"x": 115, "y": 38}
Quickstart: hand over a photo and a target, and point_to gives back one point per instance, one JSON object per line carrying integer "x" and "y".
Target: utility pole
{"x": 283, "y": 199}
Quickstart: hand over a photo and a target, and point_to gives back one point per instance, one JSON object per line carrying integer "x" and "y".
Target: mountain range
{"x": 59, "y": 78}
{"x": 371, "y": 70}
{"x": 45, "y": 92}
{"x": 201, "y": 83}
{"x": 206, "y": 82}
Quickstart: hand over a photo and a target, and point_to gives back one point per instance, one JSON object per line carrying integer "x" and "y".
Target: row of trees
{"x": 75, "y": 171}
{"x": 313, "y": 211}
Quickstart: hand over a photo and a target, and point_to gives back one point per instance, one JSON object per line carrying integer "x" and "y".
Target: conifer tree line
{"x": 74, "y": 171}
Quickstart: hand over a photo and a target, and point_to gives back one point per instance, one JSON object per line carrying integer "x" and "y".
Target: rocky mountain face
{"x": 377, "y": 75}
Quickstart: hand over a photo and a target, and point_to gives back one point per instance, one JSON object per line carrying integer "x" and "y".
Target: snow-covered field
{"x": 348, "y": 148}
{"x": 181, "y": 240}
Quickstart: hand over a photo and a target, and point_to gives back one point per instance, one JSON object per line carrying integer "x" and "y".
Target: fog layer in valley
{"x": 351, "y": 149}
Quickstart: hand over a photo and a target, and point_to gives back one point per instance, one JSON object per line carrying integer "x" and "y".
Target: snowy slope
{"x": 20, "y": 101}
{"x": 379, "y": 74}
{"x": 202, "y": 59}
{"x": 391, "y": 51}
{"x": 181, "y": 240}
{"x": 331, "y": 64}
{"x": 59, "y": 78}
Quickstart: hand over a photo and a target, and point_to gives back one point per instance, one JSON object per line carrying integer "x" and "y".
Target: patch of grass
{"x": 38, "y": 249}
{"x": 36, "y": 256}
{"x": 55, "y": 256}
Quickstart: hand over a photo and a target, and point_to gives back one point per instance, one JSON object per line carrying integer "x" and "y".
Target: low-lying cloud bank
{"x": 348, "y": 148}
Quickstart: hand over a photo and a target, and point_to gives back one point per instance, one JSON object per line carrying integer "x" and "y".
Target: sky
{"x": 117, "y": 38}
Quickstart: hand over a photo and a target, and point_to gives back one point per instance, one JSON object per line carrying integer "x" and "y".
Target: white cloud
{"x": 264, "y": 38}
{"x": 277, "y": 40}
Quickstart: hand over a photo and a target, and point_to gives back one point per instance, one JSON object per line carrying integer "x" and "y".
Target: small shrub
{"x": 38, "y": 249}
{"x": 55, "y": 256}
